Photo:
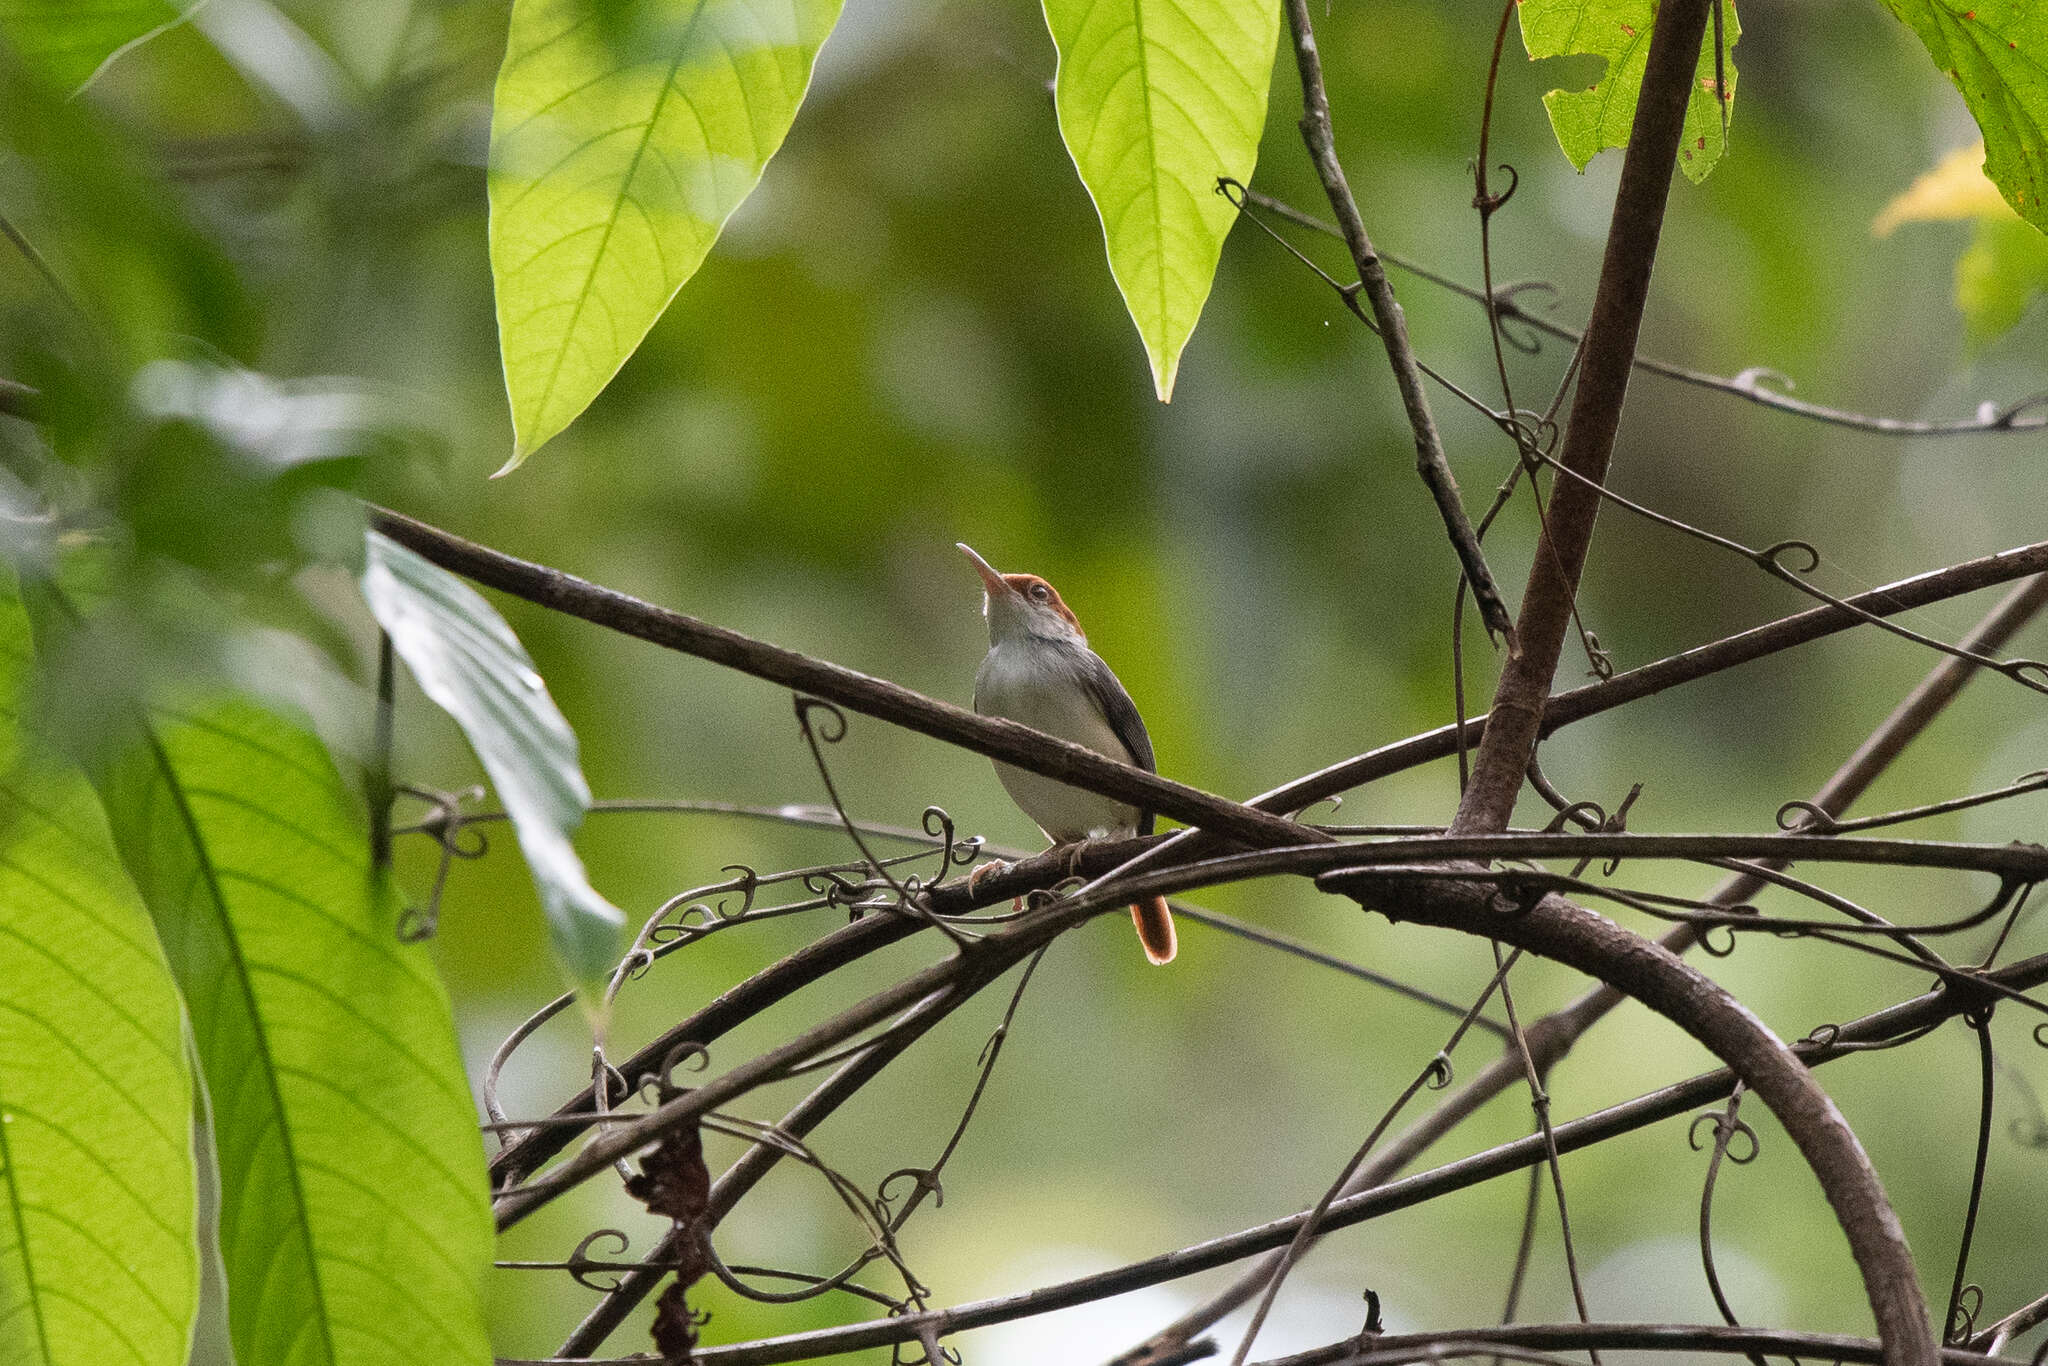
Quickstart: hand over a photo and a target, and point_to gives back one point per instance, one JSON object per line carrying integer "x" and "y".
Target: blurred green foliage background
{"x": 909, "y": 337}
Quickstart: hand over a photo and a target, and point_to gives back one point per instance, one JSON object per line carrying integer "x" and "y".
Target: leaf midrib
{"x": 258, "y": 1026}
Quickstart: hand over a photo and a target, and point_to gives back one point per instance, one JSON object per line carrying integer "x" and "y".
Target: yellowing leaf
{"x": 619, "y": 147}
{"x": 1157, "y": 99}
{"x": 1956, "y": 188}
{"x": 1598, "y": 117}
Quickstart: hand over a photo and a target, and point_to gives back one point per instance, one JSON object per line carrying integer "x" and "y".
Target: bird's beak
{"x": 990, "y": 580}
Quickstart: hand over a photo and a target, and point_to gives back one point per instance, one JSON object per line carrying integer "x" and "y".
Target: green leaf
{"x": 618, "y": 149}
{"x": 469, "y": 662}
{"x": 66, "y": 40}
{"x": 1591, "y": 120}
{"x": 2000, "y": 276}
{"x": 354, "y": 1221}
{"x": 1157, "y": 99}
{"x": 99, "y": 1257}
{"x": 1996, "y": 52}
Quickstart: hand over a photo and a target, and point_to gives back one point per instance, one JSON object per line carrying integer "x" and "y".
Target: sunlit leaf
{"x": 1157, "y": 99}
{"x": 619, "y": 146}
{"x": 354, "y": 1223}
{"x": 1588, "y": 121}
{"x": 99, "y": 1258}
{"x": 66, "y": 40}
{"x": 1996, "y": 52}
{"x": 469, "y": 662}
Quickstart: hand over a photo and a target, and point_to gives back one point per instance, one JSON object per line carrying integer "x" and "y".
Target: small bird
{"x": 1040, "y": 672}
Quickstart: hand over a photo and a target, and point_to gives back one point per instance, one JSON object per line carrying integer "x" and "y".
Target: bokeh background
{"x": 909, "y": 337}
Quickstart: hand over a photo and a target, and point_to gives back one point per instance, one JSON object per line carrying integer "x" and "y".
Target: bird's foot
{"x": 982, "y": 870}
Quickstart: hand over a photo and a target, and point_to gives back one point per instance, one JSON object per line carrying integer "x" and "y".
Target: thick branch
{"x": 1605, "y": 361}
{"x": 1557, "y": 929}
{"x": 1553, "y": 1036}
{"x": 1430, "y": 461}
{"x": 1894, "y": 1022}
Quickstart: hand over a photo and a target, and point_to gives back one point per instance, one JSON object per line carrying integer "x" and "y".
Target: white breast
{"x": 1051, "y": 701}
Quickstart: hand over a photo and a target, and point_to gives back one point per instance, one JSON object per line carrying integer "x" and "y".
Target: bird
{"x": 1040, "y": 672}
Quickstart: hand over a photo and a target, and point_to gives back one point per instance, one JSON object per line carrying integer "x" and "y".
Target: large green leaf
{"x": 354, "y": 1222}
{"x": 1157, "y": 99}
{"x": 66, "y": 40}
{"x": 469, "y": 662}
{"x": 99, "y": 1259}
{"x": 1590, "y": 120}
{"x": 1996, "y": 52}
{"x": 622, "y": 137}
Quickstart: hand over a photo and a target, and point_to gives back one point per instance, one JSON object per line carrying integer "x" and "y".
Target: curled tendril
{"x": 636, "y": 964}
{"x": 1039, "y": 897}
{"x": 2041, "y": 1034}
{"x": 1489, "y": 204}
{"x": 1774, "y": 556}
{"x": 1993, "y": 416}
{"x": 416, "y": 924}
{"x": 660, "y": 1084}
{"x": 1717, "y": 948}
{"x": 1761, "y": 379}
{"x": 1734, "y": 1128}
{"x": 1439, "y": 1072}
{"x": 1601, "y": 662}
{"x": 581, "y": 1263}
{"x": 2032, "y": 672}
{"x": 1962, "y": 1315}
{"x": 834, "y": 728}
{"x": 922, "y": 1179}
{"x": 1590, "y": 815}
{"x": 1823, "y": 1036}
{"x": 1806, "y": 816}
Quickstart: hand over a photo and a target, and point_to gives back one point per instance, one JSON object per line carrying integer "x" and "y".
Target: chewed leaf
{"x": 1996, "y": 52}
{"x": 619, "y": 147}
{"x": 468, "y": 661}
{"x": 1589, "y": 121}
{"x": 1157, "y": 99}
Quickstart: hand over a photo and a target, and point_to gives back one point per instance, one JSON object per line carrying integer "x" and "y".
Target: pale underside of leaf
{"x": 1588, "y": 121}
{"x": 1996, "y": 53}
{"x": 1157, "y": 100}
{"x": 354, "y": 1225}
{"x": 468, "y": 661}
{"x": 98, "y": 1253}
{"x": 616, "y": 158}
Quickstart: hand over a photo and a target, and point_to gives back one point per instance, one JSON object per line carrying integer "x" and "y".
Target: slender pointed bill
{"x": 990, "y": 579}
{"x": 1157, "y": 99}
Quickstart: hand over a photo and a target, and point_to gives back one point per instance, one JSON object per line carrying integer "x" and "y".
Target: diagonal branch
{"x": 1430, "y": 461}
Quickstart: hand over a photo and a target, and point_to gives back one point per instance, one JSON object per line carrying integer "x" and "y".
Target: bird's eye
{"x": 1040, "y": 592}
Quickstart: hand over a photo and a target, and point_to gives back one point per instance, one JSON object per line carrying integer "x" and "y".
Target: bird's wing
{"x": 1122, "y": 715}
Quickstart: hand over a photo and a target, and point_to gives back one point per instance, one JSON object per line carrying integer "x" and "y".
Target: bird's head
{"x": 1020, "y": 605}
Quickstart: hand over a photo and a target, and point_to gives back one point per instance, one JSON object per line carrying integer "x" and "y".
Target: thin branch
{"x": 1992, "y": 419}
{"x": 1015, "y": 744}
{"x": 1430, "y": 462}
{"x": 1906, "y": 1019}
{"x": 1555, "y": 1034}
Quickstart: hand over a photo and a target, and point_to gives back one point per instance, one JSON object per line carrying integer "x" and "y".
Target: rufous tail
{"x": 1155, "y": 929}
